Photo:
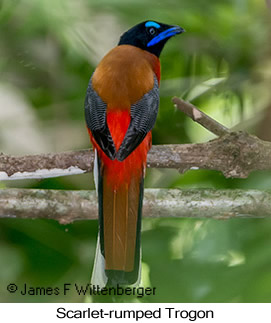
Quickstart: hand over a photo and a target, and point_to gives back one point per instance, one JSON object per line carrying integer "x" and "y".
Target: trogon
{"x": 121, "y": 107}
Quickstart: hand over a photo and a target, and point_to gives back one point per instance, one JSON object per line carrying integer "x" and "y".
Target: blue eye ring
{"x": 152, "y": 24}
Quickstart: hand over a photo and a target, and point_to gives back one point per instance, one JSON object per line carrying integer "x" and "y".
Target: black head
{"x": 150, "y": 35}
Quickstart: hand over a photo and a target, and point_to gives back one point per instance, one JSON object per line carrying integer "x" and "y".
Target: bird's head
{"x": 150, "y": 36}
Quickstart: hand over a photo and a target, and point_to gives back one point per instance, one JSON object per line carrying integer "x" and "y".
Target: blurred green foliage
{"x": 48, "y": 50}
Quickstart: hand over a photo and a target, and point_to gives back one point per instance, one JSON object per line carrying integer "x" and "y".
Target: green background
{"x": 48, "y": 50}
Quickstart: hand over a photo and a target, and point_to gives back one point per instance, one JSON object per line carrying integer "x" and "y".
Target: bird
{"x": 121, "y": 108}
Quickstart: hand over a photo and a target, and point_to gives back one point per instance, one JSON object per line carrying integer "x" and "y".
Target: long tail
{"x": 118, "y": 253}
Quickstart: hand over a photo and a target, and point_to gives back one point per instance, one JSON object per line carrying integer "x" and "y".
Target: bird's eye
{"x": 152, "y": 31}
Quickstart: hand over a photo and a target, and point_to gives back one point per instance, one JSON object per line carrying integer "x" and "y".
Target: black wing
{"x": 143, "y": 117}
{"x": 95, "y": 115}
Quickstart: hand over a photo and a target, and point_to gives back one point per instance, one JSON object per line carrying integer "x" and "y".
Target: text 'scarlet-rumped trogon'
{"x": 121, "y": 108}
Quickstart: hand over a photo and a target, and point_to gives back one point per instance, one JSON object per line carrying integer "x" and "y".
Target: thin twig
{"x": 68, "y": 206}
{"x": 200, "y": 117}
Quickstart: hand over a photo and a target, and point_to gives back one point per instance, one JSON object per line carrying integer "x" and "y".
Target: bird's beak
{"x": 169, "y": 32}
{"x": 177, "y": 30}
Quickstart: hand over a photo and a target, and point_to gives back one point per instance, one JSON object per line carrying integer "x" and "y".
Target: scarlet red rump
{"x": 115, "y": 171}
{"x": 121, "y": 108}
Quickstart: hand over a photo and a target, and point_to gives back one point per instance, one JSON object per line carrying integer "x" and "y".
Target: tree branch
{"x": 235, "y": 154}
{"x": 69, "y": 206}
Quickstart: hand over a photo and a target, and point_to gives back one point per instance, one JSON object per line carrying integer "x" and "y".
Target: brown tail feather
{"x": 120, "y": 216}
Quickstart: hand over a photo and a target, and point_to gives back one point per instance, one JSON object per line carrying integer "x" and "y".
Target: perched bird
{"x": 121, "y": 107}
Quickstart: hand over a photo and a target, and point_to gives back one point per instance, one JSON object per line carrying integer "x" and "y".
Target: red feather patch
{"x": 115, "y": 171}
